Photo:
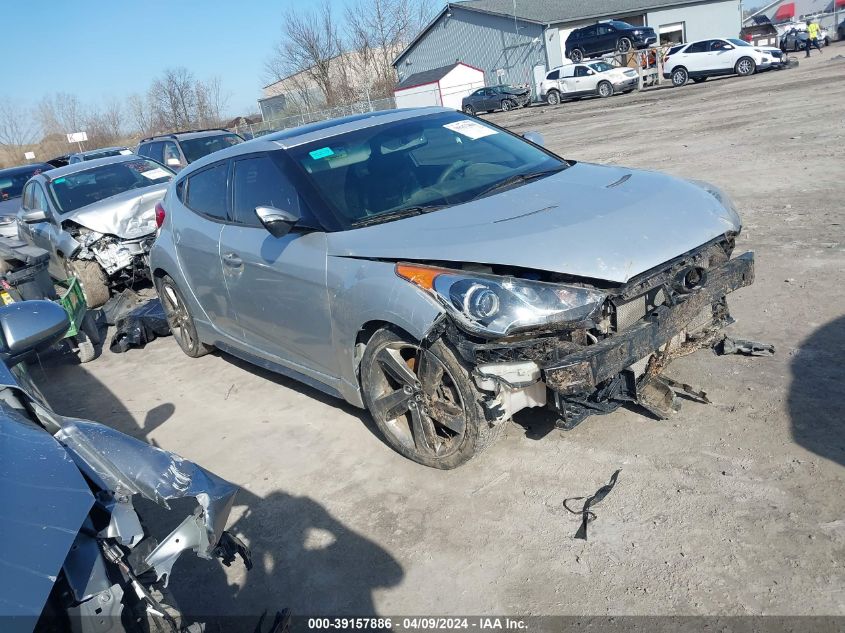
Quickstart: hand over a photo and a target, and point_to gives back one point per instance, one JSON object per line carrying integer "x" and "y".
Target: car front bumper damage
{"x": 580, "y": 378}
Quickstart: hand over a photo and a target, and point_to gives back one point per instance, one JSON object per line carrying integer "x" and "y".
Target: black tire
{"x": 92, "y": 279}
{"x": 179, "y": 318}
{"x": 424, "y": 401}
{"x": 745, "y": 67}
{"x": 553, "y": 97}
{"x": 699, "y": 80}
{"x": 680, "y": 76}
{"x": 624, "y": 45}
{"x": 576, "y": 56}
{"x": 604, "y": 89}
{"x": 508, "y": 105}
{"x": 468, "y": 109}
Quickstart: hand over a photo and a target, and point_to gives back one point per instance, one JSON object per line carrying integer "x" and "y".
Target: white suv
{"x": 707, "y": 58}
{"x": 582, "y": 80}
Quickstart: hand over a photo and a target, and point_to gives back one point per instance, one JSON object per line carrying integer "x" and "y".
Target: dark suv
{"x": 179, "y": 149}
{"x": 607, "y": 37}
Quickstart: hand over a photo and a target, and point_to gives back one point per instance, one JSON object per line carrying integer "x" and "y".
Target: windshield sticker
{"x": 125, "y": 152}
{"x": 154, "y": 174}
{"x": 58, "y": 181}
{"x": 470, "y": 129}
{"x": 323, "y": 152}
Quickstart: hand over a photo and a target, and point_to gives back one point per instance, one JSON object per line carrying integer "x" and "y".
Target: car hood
{"x": 128, "y": 215}
{"x": 44, "y": 500}
{"x": 592, "y": 221}
{"x": 515, "y": 91}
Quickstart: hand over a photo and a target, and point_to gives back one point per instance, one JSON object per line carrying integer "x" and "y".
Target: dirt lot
{"x": 730, "y": 508}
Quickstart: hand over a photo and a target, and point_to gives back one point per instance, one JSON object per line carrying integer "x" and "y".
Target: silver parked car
{"x": 96, "y": 218}
{"x": 442, "y": 272}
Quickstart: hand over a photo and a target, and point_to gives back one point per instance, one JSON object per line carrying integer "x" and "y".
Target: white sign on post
{"x": 29, "y": 155}
{"x": 77, "y": 137}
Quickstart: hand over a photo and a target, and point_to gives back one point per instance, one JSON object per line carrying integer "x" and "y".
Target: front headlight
{"x": 723, "y": 198}
{"x": 494, "y": 305}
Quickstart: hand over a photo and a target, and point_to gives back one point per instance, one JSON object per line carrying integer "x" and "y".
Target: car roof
{"x": 99, "y": 150}
{"x": 75, "y": 168}
{"x": 314, "y": 132}
{"x": 186, "y": 135}
{"x": 22, "y": 169}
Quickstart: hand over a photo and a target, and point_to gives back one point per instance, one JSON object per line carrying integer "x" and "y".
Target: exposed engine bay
{"x": 114, "y": 254}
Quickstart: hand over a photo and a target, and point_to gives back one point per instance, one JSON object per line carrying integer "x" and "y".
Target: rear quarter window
{"x": 207, "y": 191}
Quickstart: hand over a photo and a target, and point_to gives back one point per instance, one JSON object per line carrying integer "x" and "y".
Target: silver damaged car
{"x": 96, "y": 219}
{"x": 445, "y": 273}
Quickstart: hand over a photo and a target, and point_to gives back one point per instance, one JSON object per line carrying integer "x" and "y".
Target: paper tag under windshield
{"x": 470, "y": 129}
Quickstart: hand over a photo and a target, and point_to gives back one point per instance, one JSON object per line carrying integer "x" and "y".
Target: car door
{"x": 567, "y": 80}
{"x": 589, "y": 40}
{"x": 475, "y": 98}
{"x": 45, "y": 234}
{"x": 203, "y": 201}
{"x": 605, "y": 38}
{"x": 277, "y": 284}
{"x": 582, "y": 79}
{"x": 695, "y": 57}
{"x": 723, "y": 56}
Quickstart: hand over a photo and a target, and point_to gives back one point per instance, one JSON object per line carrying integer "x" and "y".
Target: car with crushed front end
{"x": 442, "y": 271}
{"x": 76, "y": 552}
{"x": 96, "y": 219}
{"x": 490, "y": 98}
{"x": 574, "y": 81}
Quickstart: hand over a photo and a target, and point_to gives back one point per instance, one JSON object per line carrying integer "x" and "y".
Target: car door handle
{"x": 232, "y": 260}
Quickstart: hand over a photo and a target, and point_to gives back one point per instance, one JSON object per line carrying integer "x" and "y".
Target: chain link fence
{"x": 293, "y": 120}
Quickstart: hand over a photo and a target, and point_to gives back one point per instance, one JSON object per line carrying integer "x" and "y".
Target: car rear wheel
{"x": 92, "y": 279}
{"x": 423, "y": 401}
{"x": 507, "y": 104}
{"x": 553, "y": 97}
{"x": 468, "y": 109}
{"x": 605, "y": 89}
{"x": 179, "y": 318}
{"x": 624, "y": 45}
{"x": 745, "y": 67}
{"x": 576, "y": 55}
{"x": 679, "y": 76}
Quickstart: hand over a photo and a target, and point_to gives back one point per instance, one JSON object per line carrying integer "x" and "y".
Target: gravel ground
{"x": 732, "y": 508}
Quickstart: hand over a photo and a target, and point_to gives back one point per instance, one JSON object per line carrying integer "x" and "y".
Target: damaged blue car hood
{"x": 591, "y": 221}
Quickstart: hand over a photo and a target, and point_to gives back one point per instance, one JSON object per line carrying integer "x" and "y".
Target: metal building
{"x": 516, "y": 41}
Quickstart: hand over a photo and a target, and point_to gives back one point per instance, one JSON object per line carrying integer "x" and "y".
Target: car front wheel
{"x": 679, "y": 76}
{"x": 423, "y": 401}
{"x": 745, "y": 67}
{"x": 179, "y": 318}
{"x": 507, "y": 104}
{"x": 92, "y": 279}
{"x": 605, "y": 89}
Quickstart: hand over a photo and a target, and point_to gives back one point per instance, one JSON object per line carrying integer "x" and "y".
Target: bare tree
{"x": 310, "y": 45}
{"x": 17, "y": 128}
{"x": 141, "y": 114}
{"x": 173, "y": 99}
{"x": 211, "y": 102}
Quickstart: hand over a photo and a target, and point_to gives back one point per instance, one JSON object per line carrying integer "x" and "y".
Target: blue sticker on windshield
{"x": 58, "y": 181}
{"x": 323, "y": 152}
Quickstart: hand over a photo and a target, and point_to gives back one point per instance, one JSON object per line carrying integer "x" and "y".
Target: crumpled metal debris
{"x": 730, "y": 345}
{"x": 588, "y": 515}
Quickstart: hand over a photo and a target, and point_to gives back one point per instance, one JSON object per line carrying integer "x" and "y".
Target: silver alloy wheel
{"x": 507, "y": 104}
{"x": 624, "y": 45}
{"x": 416, "y": 398}
{"x": 177, "y": 317}
{"x": 745, "y": 66}
{"x": 468, "y": 109}
{"x": 576, "y": 56}
{"x": 553, "y": 98}
{"x": 605, "y": 89}
{"x": 679, "y": 77}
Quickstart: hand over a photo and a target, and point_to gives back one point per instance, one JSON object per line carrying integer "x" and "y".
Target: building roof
{"x": 426, "y": 77}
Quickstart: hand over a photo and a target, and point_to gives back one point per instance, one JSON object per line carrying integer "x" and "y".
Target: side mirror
{"x": 173, "y": 162}
{"x": 29, "y": 326}
{"x": 535, "y": 137}
{"x": 277, "y": 221}
{"x": 33, "y": 216}
{"x": 591, "y": 71}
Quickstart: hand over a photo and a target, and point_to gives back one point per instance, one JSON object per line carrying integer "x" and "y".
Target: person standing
{"x": 812, "y": 36}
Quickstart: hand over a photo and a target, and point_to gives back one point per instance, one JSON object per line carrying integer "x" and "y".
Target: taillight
{"x": 159, "y": 215}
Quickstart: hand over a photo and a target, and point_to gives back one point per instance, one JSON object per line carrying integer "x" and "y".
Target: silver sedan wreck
{"x": 96, "y": 218}
{"x": 74, "y": 553}
{"x": 445, "y": 273}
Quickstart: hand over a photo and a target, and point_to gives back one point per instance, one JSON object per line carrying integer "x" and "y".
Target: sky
{"x": 100, "y": 50}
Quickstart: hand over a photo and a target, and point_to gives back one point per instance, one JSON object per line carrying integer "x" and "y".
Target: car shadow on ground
{"x": 817, "y": 394}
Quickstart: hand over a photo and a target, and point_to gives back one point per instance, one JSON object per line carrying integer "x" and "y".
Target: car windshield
{"x": 601, "y": 67}
{"x": 196, "y": 148}
{"x": 78, "y": 190}
{"x": 738, "y": 42}
{"x": 12, "y": 182}
{"x": 416, "y": 165}
{"x": 620, "y": 25}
